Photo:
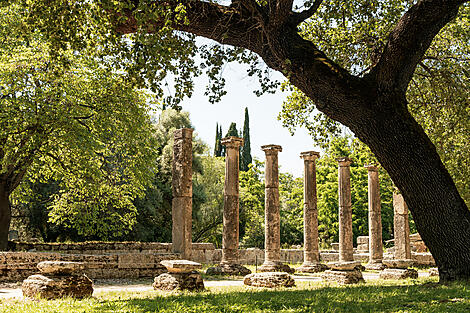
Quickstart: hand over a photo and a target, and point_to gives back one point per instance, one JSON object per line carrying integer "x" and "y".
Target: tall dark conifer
{"x": 245, "y": 158}
{"x": 218, "y": 137}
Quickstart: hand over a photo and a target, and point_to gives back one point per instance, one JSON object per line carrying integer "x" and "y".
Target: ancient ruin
{"x": 58, "y": 279}
{"x": 375, "y": 220}
{"x": 346, "y": 271}
{"x": 272, "y": 242}
{"x": 182, "y": 275}
{"x": 398, "y": 267}
{"x": 230, "y": 236}
{"x": 269, "y": 280}
{"x": 311, "y": 262}
{"x": 182, "y": 185}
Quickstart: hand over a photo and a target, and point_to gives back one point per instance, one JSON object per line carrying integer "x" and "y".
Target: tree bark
{"x": 5, "y": 217}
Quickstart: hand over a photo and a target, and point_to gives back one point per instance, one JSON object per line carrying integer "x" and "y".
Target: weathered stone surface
{"x": 275, "y": 267}
{"x": 433, "y": 271}
{"x": 343, "y": 277}
{"x": 54, "y": 287}
{"x": 312, "y": 268}
{"x": 269, "y": 280}
{"x": 375, "y": 266}
{"x": 181, "y": 266}
{"x": 311, "y": 249}
{"x": 345, "y": 213}
{"x": 362, "y": 240}
{"x": 375, "y": 218}
{"x": 60, "y": 267}
{"x": 344, "y": 266}
{"x": 398, "y": 273}
{"x": 401, "y": 228}
{"x": 398, "y": 263}
{"x": 335, "y": 246}
{"x": 272, "y": 236}
{"x": 179, "y": 281}
{"x": 182, "y": 192}
{"x": 232, "y": 269}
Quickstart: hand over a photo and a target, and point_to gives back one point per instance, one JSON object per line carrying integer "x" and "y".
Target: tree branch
{"x": 409, "y": 40}
{"x": 299, "y": 17}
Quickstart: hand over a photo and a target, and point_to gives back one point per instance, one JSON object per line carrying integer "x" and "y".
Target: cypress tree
{"x": 246, "y": 158}
{"x": 232, "y": 131}
{"x": 218, "y": 137}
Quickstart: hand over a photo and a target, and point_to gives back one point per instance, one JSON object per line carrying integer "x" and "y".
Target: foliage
{"x": 208, "y": 220}
{"x": 218, "y": 139}
{"x": 154, "y": 217}
{"x": 245, "y": 155}
{"x": 291, "y": 199}
{"x": 82, "y": 125}
{"x": 438, "y": 94}
{"x": 327, "y": 186}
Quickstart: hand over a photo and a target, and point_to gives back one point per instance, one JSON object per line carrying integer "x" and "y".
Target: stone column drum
{"x": 398, "y": 268}
{"x": 375, "y": 220}
{"x": 272, "y": 242}
{"x": 311, "y": 262}
{"x": 230, "y": 237}
{"x": 345, "y": 212}
{"x": 182, "y": 192}
{"x": 346, "y": 271}
{"x": 401, "y": 228}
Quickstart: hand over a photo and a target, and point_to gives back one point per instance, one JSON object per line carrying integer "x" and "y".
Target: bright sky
{"x": 263, "y": 111}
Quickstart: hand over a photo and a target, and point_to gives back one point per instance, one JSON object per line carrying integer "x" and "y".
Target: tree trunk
{"x": 439, "y": 212}
{"x": 5, "y": 217}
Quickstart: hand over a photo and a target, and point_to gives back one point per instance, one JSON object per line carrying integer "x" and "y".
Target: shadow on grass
{"x": 362, "y": 298}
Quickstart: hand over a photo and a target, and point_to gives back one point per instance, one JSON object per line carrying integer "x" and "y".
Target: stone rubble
{"x": 269, "y": 280}
{"x": 58, "y": 279}
{"x": 182, "y": 275}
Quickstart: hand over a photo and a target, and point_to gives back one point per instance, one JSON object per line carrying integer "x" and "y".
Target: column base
{"x": 375, "y": 266}
{"x": 343, "y": 277}
{"x": 398, "y": 273}
{"x": 275, "y": 267}
{"x": 310, "y": 267}
{"x": 224, "y": 268}
{"x": 269, "y": 280}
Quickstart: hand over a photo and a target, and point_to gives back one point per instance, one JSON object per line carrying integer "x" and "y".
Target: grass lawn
{"x": 422, "y": 295}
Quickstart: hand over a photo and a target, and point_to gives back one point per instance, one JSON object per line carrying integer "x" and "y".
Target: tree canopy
{"x": 361, "y": 84}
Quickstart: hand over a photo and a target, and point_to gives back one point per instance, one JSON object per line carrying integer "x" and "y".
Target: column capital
{"x": 344, "y": 161}
{"x": 310, "y": 155}
{"x": 372, "y": 167}
{"x": 184, "y": 133}
{"x": 271, "y": 149}
{"x": 232, "y": 142}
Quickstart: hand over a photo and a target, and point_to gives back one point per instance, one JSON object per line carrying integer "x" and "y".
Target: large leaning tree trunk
{"x": 5, "y": 217}
{"x": 374, "y": 107}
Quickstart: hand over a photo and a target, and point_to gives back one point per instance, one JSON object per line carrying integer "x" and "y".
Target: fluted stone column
{"x": 345, "y": 212}
{"x": 311, "y": 262}
{"x": 346, "y": 271}
{"x": 272, "y": 242}
{"x": 230, "y": 237}
{"x": 182, "y": 192}
{"x": 401, "y": 228}
{"x": 375, "y": 220}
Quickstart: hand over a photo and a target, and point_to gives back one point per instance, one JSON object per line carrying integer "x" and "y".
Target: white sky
{"x": 263, "y": 111}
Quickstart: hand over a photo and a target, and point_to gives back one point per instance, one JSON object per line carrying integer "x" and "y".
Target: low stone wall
{"x": 16, "y": 266}
{"x": 139, "y": 259}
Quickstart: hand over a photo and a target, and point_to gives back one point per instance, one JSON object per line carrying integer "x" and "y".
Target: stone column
{"x": 399, "y": 267}
{"x": 311, "y": 262}
{"x": 345, "y": 212}
{"x": 346, "y": 271}
{"x": 401, "y": 228}
{"x": 182, "y": 192}
{"x": 230, "y": 237}
{"x": 272, "y": 242}
{"x": 375, "y": 220}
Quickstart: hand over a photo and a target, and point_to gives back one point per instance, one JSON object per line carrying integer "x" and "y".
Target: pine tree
{"x": 246, "y": 158}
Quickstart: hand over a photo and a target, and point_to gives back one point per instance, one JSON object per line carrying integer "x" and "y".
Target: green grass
{"x": 423, "y": 295}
